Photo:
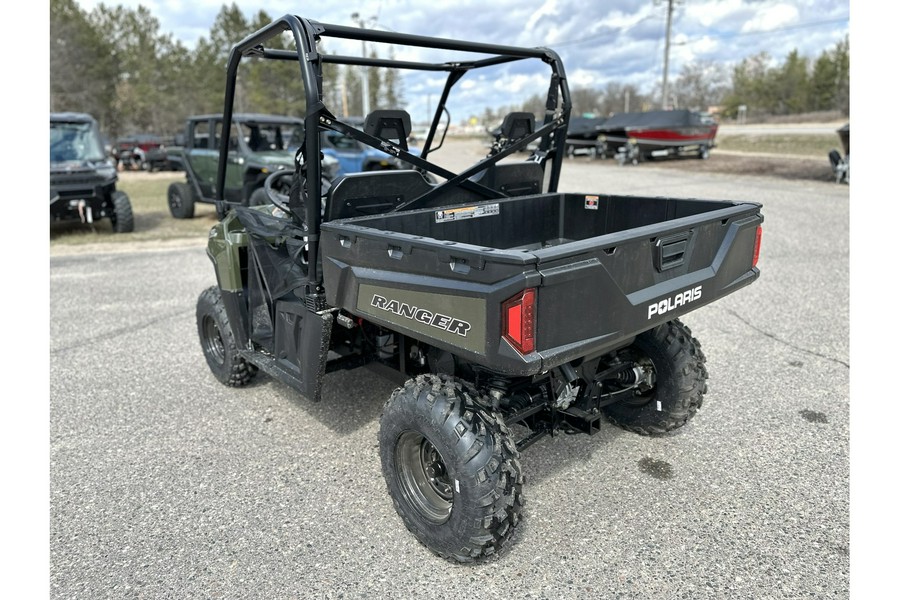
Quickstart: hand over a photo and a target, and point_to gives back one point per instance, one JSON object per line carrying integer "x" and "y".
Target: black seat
{"x": 373, "y": 192}
{"x": 513, "y": 178}
{"x": 376, "y": 192}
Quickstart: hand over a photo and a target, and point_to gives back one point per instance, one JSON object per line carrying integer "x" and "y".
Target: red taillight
{"x": 518, "y": 321}
{"x": 756, "y": 246}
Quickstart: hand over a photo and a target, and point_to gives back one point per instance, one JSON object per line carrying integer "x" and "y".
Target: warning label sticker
{"x": 592, "y": 202}
{"x": 466, "y": 212}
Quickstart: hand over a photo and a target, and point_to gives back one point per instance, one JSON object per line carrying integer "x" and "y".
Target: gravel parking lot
{"x": 166, "y": 484}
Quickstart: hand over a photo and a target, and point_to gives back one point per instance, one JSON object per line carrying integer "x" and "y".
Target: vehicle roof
{"x": 71, "y": 117}
{"x": 258, "y": 117}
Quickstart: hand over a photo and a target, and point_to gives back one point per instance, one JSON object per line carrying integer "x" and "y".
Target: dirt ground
{"x": 461, "y": 153}
{"x": 785, "y": 167}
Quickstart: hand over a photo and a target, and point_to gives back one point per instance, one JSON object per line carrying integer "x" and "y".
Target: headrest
{"x": 517, "y": 125}
{"x": 392, "y": 125}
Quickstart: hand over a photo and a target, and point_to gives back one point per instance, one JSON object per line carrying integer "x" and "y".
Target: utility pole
{"x": 365, "y": 71}
{"x": 665, "y": 85}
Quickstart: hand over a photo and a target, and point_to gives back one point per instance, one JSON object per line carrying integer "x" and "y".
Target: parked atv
{"x": 82, "y": 178}
{"x": 507, "y": 311}
{"x": 840, "y": 164}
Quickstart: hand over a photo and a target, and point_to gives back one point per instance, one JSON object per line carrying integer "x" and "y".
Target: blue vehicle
{"x": 355, "y": 157}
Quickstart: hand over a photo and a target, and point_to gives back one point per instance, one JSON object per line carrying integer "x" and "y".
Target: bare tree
{"x": 700, "y": 84}
{"x": 585, "y": 101}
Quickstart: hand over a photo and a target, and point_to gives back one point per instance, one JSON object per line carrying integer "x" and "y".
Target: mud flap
{"x": 302, "y": 340}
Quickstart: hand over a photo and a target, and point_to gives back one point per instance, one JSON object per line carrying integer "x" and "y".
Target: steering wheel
{"x": 275, "y": 180}
{"x": 274, "y": 183}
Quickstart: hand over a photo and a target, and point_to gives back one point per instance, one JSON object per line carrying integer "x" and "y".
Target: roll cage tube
{"x": 307, "y": 33}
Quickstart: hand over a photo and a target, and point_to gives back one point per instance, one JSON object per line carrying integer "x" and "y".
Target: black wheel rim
{"x": 424, "y": 480}
{"x": 212, "y": 340}
{"x": 175, "y": 200}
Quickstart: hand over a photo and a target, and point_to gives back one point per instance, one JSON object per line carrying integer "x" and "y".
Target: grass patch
{"x": 152, "y": 220}
{"x": 809, "y": 145}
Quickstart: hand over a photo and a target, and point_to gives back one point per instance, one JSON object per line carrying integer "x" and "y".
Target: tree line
{"x": 798, "y": 85}
{"x": 115, "y": 63}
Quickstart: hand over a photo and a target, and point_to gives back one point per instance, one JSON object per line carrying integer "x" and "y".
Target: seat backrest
{"x": 372, "y": 193}
{"x": 513, "y": 178}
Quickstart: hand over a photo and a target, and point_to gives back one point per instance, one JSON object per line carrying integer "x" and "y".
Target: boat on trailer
{"x": 582, "y": 137}
{"x": 637, "y": 136}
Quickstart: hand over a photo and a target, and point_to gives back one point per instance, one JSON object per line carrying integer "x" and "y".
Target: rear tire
{"x": 680, "y": 368}
{"x": 122, "y": 217}
{"x": 451, "y": 467}
{"x": 181, "y": 200}
{"x": 217, "y": 341}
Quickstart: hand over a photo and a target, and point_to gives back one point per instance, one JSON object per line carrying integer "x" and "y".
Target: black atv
{"x": 82, "y": 178}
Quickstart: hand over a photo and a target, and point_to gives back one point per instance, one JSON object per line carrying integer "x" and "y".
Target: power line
{"x": 614, "y": 33}
{"x": 766, "y": 32}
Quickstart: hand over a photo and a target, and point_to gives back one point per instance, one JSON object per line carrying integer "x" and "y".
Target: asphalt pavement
{"x": 166, "y": 484}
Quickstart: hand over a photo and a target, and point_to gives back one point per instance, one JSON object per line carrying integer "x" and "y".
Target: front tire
{"x": 675, "y": 357}
{"x": 122, "y": 217}
{"x": 181, "y": 200}
{"x": 451, "y": 468}
{"x": 217, "y": 341}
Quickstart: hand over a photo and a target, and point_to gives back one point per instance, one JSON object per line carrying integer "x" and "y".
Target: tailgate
{"x": 595, "y": 293}
{"x": 603, "y": 269}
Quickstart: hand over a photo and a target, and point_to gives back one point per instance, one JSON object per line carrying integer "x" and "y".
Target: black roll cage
{"x": 307, "y": 32}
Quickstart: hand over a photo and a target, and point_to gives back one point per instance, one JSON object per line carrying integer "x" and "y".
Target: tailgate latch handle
{"x": 670, "y": 251}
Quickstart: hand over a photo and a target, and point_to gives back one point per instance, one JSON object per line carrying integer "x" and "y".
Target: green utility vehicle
{"x": 258, "y": 145}
{"x": 506, "y": 310}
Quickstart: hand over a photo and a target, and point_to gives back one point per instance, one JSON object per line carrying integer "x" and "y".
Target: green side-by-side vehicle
{"x": 506, "y": 309}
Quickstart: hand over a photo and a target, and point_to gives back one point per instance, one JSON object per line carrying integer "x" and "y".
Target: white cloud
{"x": 772, "y": 17}
{"x": 582, "y": 78}
{"x": 712, "y": 12}
{"x": 549, "y": 8}
{"x": 518, "y": 84}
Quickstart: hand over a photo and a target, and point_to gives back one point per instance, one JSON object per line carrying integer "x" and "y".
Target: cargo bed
{"x": 604, "y": 268}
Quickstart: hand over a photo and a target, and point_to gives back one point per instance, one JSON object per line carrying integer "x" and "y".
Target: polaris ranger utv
{"x": 510, "y": 311}
{"x": 82, "y": 178}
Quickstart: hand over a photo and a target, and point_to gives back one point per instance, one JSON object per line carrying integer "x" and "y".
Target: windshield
{"x": 262, "y": 137}
{"x": 74, "y": 142}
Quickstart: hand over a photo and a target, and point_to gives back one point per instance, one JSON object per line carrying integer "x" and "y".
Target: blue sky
{"x": 599, "y": 42}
